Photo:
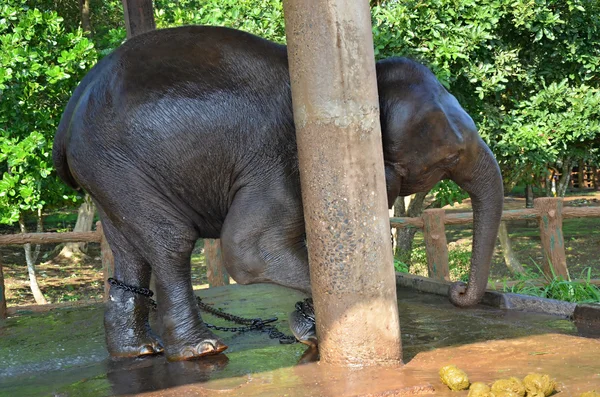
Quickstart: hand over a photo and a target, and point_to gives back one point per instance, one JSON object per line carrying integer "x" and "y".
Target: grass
{"x": 459, "y": 262}
{"x": 459, "y": 258}
{"x": 558, "y": 288}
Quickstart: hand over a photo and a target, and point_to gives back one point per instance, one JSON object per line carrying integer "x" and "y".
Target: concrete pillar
{"x": 336, "y": 113}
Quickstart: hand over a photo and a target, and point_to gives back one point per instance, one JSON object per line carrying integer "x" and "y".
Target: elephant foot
{"x": 302, "y": 323}
{"x": 201, "y": 347}
{"x": 148, "y": 348}
{"x": 127, "y": 330}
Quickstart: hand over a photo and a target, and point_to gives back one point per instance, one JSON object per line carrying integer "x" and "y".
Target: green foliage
{"x": 447, "y": 192}
{"x": 509, "y": 63}
{"x": 459, "y": 262}
{"x": 261, "y": 17}
{"x": 400, "y": 266}
{"x": 526, "y": 71}
{"x": 560, "y": 121}
{"x": 40, "y": 64}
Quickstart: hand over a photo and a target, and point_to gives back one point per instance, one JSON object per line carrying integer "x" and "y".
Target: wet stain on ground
{"x": 63, "y": 352}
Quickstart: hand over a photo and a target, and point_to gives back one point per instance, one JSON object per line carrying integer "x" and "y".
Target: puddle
{"x": 62, "y": 353}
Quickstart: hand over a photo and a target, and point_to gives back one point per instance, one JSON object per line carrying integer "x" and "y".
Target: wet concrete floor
{"x": 62, "y": 353}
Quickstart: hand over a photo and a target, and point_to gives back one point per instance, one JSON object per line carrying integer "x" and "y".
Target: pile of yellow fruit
{"x": 534, "y": 385}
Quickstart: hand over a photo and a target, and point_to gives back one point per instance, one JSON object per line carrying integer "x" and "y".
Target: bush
{"x": 40, "y": 65}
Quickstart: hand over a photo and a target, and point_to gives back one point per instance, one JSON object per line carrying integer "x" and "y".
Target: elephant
{"x": 188, "y": 133}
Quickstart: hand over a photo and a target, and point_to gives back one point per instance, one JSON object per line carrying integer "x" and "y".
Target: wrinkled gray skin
{"x": 188, "y": 133}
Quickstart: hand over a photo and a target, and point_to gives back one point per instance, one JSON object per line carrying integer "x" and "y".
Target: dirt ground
{"x": 73, "y": 279}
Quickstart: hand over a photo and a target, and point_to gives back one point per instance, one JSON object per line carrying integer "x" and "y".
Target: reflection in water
{"x": 152, "y": 373}
{"x": 310, "y": 355}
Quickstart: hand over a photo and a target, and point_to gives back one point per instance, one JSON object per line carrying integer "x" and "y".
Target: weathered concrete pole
{"x": 336, "y": 113}
{"x": 139, "y": 16}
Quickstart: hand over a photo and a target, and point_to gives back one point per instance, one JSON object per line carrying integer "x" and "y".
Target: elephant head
{"x": 427, "y": 137}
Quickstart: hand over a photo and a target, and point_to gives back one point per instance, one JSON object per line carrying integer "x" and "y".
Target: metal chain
{"x": 253, "y": 324}
{"x": 306, "y": 309}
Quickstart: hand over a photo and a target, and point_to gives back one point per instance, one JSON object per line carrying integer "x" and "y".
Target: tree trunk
{"x": 581, "y": 175}
{"x": 548, "y": 182}
{"x": 595, "y": 178}
{"x": 84, "y": 7}
{"x": 29, "y": 257}
{"x": 509, "y": 256}
{"x": 85, "y": 221}
{"x": 529, "y": 196}
{"x": 405, "y": 236}
{"x": 563, "y": 182}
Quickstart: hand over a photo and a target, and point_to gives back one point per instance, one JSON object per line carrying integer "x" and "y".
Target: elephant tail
{"x": 64, "y": 131}
{"x": 59, "y": 148}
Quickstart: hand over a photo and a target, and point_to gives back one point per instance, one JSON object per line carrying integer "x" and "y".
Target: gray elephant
{"x": 188, "y": 133}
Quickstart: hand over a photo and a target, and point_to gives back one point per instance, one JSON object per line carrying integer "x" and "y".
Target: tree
{"x": 40, "y": 64}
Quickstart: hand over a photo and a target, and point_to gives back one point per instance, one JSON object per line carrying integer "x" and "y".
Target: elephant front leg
{"x": 264, "y": 242}
{"x": 302, "y": 323}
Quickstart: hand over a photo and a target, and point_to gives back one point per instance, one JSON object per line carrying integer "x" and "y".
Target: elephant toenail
{"x": 206, "y": 348}
{"x": 147, "y": 349}
{"x": 188, "y": 352}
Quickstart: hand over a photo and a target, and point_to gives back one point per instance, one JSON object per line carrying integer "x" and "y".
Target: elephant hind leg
{"x": 165, "y": 237}
{"x": 126, "y": 324}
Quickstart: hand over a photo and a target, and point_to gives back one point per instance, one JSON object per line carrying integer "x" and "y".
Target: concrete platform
{"x": 62, "y": 353}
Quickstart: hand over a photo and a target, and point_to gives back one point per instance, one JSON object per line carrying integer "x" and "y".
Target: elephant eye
{"x": 451, "y": 160}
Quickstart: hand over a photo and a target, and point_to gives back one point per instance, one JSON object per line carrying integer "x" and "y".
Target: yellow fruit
{"x": 512, "y": 385}
{"x": 455, "y": 378}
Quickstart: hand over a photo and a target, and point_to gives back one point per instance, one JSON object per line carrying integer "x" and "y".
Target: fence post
{"x": 215, "y": 270}
{"x": 436, "y": 245}
{"x": 551, "y": 234}
{"x": 2, "y": 294}
{"x": 108, "y": 262}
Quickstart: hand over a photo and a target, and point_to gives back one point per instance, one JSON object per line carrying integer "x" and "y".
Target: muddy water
{"x": 63, "y": 353}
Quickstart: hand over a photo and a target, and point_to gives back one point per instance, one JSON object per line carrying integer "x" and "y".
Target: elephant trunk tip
{"x": 462, "y": 295}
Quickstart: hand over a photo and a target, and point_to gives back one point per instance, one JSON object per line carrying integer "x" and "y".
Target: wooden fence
{"x": 548, "y": 211}
{"x": 216, "y": 273}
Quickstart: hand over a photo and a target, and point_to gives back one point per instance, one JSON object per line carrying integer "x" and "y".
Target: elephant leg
{"x": 127, "y": 329}
{"x": 263, "y": 240}
{"x": 159, "y": 234}
{"x": 167, "y": 237}
{"x": 184, "y": 334}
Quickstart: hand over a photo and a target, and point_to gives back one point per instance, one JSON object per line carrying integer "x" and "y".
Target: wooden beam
{"x": 436, "y": 244}
{"x": 50, "y": 238}
{"x": 215, "y": 270}
{"x": 108, "y": 261}
{"x": 3, "y": 312}
{"x": 551, "y": 234}
{"x": 465, "y": 218}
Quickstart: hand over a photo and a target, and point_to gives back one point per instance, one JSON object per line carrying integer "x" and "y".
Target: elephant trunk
{"x": 483, "y": 182}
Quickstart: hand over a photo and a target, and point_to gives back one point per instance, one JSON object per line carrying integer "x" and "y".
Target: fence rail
{"x": 548, "y": 211}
